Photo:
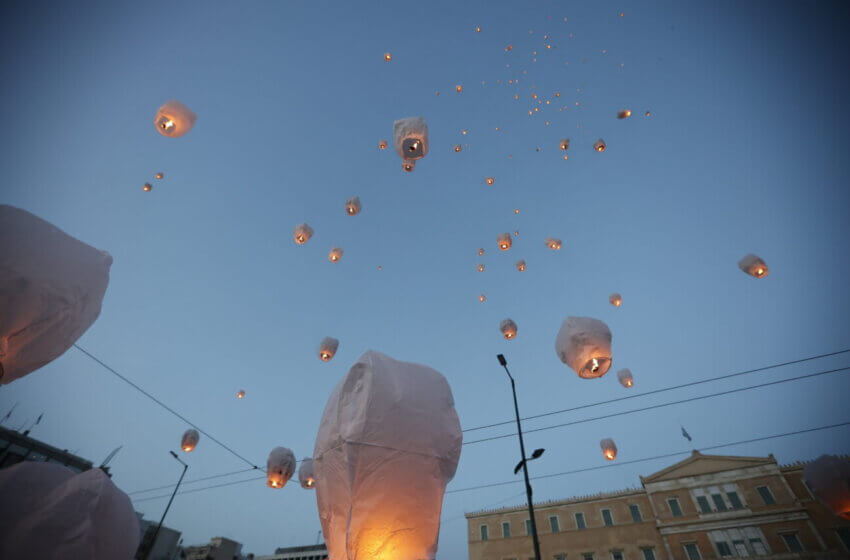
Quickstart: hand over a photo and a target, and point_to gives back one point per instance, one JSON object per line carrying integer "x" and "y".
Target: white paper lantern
{"x": 565, "y": 144}
{"x": 508, "y": 328}
{"x": 174, "y": 119}
{"x": 624, "y": 376}
{"x": 388, "y": 443}
{"x": 624, "y": 114}
{"x": 553, "y": 243}
{"x": 505, "y": 241}
{"x": 616, "y": 300}
{"x": 335, "y": 254}
{"x": 754, "y": 266}
{"x": 302, "y": 234}
{"x": 305, "y": 474}
{"x": 609, "y": 449}
{"x": 240, "y": 394}
{"x": 520, "y": 265}
{"x": 352, "y": 206}
{"x": 410, "y": 136}
{"x": 829, "y": 479}
{"x": 189, "y": 440}
{"x": 327, "y": 348}
{"x": 51, "y": 291}
{"x": 599, "y": 145}
{"x": 584, "y": 344}
{"x": 279, "y": 467}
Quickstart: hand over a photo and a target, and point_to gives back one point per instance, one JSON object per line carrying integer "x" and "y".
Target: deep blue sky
{"x": 745, "y": 151}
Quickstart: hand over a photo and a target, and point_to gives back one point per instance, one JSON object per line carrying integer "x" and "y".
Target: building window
{"x": 675, "y": 509}
{"x": 528, "y": 526}
{"x": 692, "y": 551}
{"x": 740, "y": 548}
{"x": 718, "y": 502}
{"x": 766, "y": 495}
{"x": 758, "y": 547}
{"x": 635, "y": 511}
{"x": 648, "y": 553}
{"x": 606, "y": 517}
{"x": 734, "y": 500}
{"x": 587, "y": 556}
{"x": 484, "y": 533}
{"x": 723, "y": 549}
{"x": 616, "y": 555}
{"x": 792, "y": 542}
{"x": 580, "y": 521}
{"x": 554, "y": 524}
{"x": 506, "y": 529}
{"x": 844, "y": 535}
{"x": 560, "y": 557}
{"x": 702, "y": 502}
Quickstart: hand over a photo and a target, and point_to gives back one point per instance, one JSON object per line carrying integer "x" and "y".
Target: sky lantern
{"x": 147, "y": 187}
{"x": 389, "y": 441}
{"x": 565, "y": 144}
{"x": 410, "y": 136}
{"x": 508, "y": 328}
{"x": 302, "y": 234}
{"x": 49, "y": 511}
{"x": 159, "y": 175}
{"x": 51, "y": 291}
{"x": 624, "y": 376}
{"x": 305, "y": 474}
{"x": 490, "y": 180}
{"x": 520, "y": 265}
{"x": 459, "y": 88}
{"x": 828, "y": 477}
{"x": 388, "y": 57}
{"x": 553, "y": 243}
{"x": 327, "y": 348}
{"x": 174, "y": 119}
{"x": 335, "y": 254}
{"x": 609, "y": 449}
{"x": 754, "y": 266}
{"x": 189, "y": 440}
{"x": 279, "y": 467}
{"x": 616, "y": 300}
{"x": 624, "y": 114}
{"x": 458, "y": 148}
{"x": 482, "y": 298}
{"x": 478, "y": 29}
{"x": 584, "y": 344}
{"x": 505, "y": 241}
{"x": 382, "y": 145}
{"x": 352, "y": 206}
{"x": 240, "y": 394}
{"x": 481, "y": 251}
{"x": 481, "y": 268}
{"x": 599, "y": 145}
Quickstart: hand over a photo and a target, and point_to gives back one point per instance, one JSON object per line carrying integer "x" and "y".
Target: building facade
{"x": 308, "y": 552}
{"x": 16, "y": 447}
{"x": 219, "y": 548}
{"x": 703, "y": 508}
{"x": 165, "y": 547}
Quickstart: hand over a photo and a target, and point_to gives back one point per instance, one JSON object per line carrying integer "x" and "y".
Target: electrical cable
{"x": 191, "y": 481}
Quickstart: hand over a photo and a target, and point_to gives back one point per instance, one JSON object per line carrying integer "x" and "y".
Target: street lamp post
{"x": 158, "y": 527}
{"x": 524, "y": 462}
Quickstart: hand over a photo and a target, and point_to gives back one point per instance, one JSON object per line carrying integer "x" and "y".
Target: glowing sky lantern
{"x": 189, "y": 440}
{"x": 508, "y": 328}
{"x": 828, "y": 477}
{"x": 382, "y": 145}
{"x": 240, "y": 394}
{"x": 584, "y": 344}
{"x": 459, "y": 88}
{"x": 609, "y": 449}
{"x": 599, "y": 145}
{"x": 302, "y": 234}
{"x": 174, "y": 119}
{"x": 509, "y": 48}
{"x": 388, "y": 443}
{"x": 279, "y": 467}
{"x": 754, "y": 266}
{"x": 305, "y": 474}
{"x": 352, "y": 206}
{"x": 520, "y": 265}
{"x": 490, "y": 180}
{"x": 478, "y": 29}
{"x": 327, "y": 348}
{"x": 624, "y": 376}
{"x": 410, "y": 136}
{"x": 516, "y": 210}
{"x": 624, "y": 114}
{"x": 51, "y": 290}
{"x": 335, "y": 254}
{"x": 565, "y": 144}
{"x": 504, "y": 241}
{"x": 616, "y": 300}
{"x": 481, "y": 251}
{"x": 147, "y": 187}
{"x": 553, "y": 243}
{"x": 388, "y": 57}
{"x": 458, "y": 147}
{"x": 481, "y": 268}
{"x": 159, "y": 175}
{"x": 482, "y": 298}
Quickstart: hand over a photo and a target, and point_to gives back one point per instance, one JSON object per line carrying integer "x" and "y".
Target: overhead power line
{"x": 662, "y": 390}
{"x": 191, "y": 481}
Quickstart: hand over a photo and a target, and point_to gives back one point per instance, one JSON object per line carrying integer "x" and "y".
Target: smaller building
{"x": 308, "y": 552}
{"x": 219, "y": 548}
{"x": 165, "y": 547}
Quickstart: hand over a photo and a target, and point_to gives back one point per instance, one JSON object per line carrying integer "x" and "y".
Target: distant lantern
{"x": 478, "y": 29}
{"x": 508, "y": 328}
{"x": 480, "y": 268}
{"x": 505, "y": 241}
{"x": 516, "y": 233}
{"x": 509, "y": 48}
{"x": 520, "y": 265}
{"x": 599, "y": 145}
{"x": 174, "y": 119}
{"x": 305, "y": 474}
{"x": 147, "y": 187}
{"x": 828, "y": 477}
{"x": 388, "y": 57}
{"x": 327, "y": 348}
{"x": 584, "y": 344}
{"x": 482, "y": 298}
{"x": 490, "y": 180}
{"x": 516, "y": 210}
{"x": 647, "y": 114}
{"x": 240, "y": 394}
{"x": 609, "y": 449}
{"x": 279, "y": 467}
{"x": 159, "y": 175}
{"x": 302, "y": 234}
{"x": 459, "y": 88}
{"x": 352, "y": 206}
{"x": 553, "y": 243}
{"x": 624, "y": 376}
{"x": 616, "y": 300}
{"x": 481, "y": 251}
{"x": 382, "y": 145}
{"x": 464, "y": 132}
{"x": 624, "y": 114}
{"x": 754, "y": 266}
{"x": 410, "y": 136}
{"x": 189, "y": 440}
{"x": 565, "y": 144}
{"x": 458, "y": 147}
{"x": 335, "y": 254}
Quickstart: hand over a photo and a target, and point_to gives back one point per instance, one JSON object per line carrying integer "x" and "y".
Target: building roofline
{"x": 564, "y": 501}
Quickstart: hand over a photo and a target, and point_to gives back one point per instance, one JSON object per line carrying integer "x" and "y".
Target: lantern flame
{"x": 490, "y": 180}
{"x": 599, "y": 145}
{"x": 147, "y": 187}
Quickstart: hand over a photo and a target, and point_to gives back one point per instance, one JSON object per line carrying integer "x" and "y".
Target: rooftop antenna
{"x": 8, "y": 414}
{"x": 110, "y": 456}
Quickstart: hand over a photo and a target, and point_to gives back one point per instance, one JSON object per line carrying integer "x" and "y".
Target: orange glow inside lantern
{"x": 565, "y": 144}
{"x": 490, "y": 180}
{"x": 624, "y": 114}
{"x": 478, "y": 30}
{"x": 458, "y": 88}
{"x": 147, "y": 187}
{"x": 508, "y": 329}
{"x": 458, "y": 147}
{"x": 408, "y": 166}
{"x": 174, "y": 119}
{"x": 520, "y": 266}
{"x": 616, "y": 300}
{"x": 599, "y": 145}
{"x": 480, "y": 268}
{"x": 388, "y": 57}
{"x": 382, "y": 145}
{"x": 352, "y": 206}
{"x": 335, "y": 254}
{"x": 609, "y": 449}
{"x": 553, "y": 243}
{"x": 302, "y": 234}
{"x": 481, "y": 251}
{"x": 505, "y": 241}
{"x": 159, "y": 175}
{"x": 509, "y": 48}
{"x": 482, "y": 298}
{"x": 240, "y": 395}
{"x": 328, "y": 348}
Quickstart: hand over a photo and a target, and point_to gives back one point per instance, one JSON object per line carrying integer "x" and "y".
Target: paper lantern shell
{"x": 553, "y": 243}
{"x": 410, "y": 136}
{"x": 328, "y": 348}
{"x": 240, "y": 394}
{"x": 302, "y": 234}
{"x": 174, "y": 119}
{"x": 189, "y": 440}
{"x": 305, "y": 474}
{"x": 565, "y": 144}
{"x": 584, "y": 344}
{"x": 754, "y": 266}
{"x": 616, "y": 300}
{"x": 829, "y": 479}
{"x": 508, "y": 328}
{"x": 335, "y": 254}
{"x": 388, "y": 443}
{"x": 599, "y": 145}
{"x": 51, "y": 512}
{"x": 51, "y": 290}
{"x": 279, "y": 467}
{"x": 624, "y": 114}
{"x": 624, "y": 376}
{"x": 609, "y": 449}
{"x": 352, "y": 206}
{"x": 505, "y": 241}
